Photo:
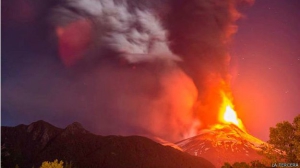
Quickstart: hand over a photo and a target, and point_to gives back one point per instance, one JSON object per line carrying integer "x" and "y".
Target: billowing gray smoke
{"x": 130, "y": 67}
{"x": 136, "y": 34}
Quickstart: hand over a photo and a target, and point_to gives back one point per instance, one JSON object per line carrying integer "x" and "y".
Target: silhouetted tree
{"x": 236, "y": 165}
{"x": 54, "y": 164}
{"x": 240, "y": 165}
{"x": 286, "y": 137}
{"x": 226, "y": 165}
{"x": 253, "y": 164}
{"x": 68, "y": 165}
{"x": 257, "y": 164}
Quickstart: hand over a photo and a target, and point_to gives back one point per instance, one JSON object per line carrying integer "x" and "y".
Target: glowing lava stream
{"x": 228, "y": 114}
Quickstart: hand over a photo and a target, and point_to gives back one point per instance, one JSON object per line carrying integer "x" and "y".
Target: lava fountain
{"x": 227, "y": 114}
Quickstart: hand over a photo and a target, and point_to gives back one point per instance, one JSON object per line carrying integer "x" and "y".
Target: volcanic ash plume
{"x": 133, "y": 33}
{"x": 183, "y": 44}
{"x": 137, "y": 67}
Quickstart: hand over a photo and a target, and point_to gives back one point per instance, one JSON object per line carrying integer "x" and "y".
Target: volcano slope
{"x": 223, "y": 143}
{"x": 30, "y": 145}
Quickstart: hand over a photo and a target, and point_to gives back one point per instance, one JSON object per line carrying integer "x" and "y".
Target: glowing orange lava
{"x": 227, "y": 113}
{"x": 230, "y": 115}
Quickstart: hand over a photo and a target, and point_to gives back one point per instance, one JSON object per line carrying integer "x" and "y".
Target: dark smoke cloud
{"x": 119, "y": 67}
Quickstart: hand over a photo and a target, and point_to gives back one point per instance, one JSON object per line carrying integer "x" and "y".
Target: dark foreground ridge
{"x": 30, "y": 145}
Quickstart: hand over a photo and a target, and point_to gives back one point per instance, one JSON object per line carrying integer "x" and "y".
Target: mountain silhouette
{"x": 30, "y": 145}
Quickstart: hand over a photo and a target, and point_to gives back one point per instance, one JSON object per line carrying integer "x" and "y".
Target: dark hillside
{"x": 30, "y": 145}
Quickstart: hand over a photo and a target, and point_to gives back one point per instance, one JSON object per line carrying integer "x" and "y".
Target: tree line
{"x": 283, "y": 147}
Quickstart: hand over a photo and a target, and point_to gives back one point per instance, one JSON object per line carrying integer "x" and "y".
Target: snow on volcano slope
{"x": 223, "y": 143}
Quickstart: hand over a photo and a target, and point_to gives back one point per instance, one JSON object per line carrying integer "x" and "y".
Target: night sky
{"x": 265, "y": 65}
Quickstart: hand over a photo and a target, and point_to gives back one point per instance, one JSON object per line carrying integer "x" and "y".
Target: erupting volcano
{"x": 158, "y": 68}
{"x": 129, "y": 67}
{"x": 223, "y": 143}
{"x": 226, "y": 141}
